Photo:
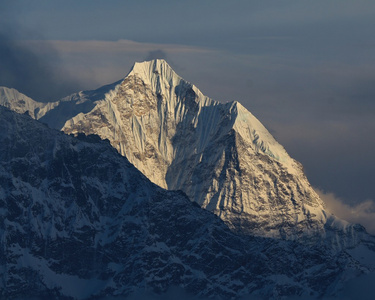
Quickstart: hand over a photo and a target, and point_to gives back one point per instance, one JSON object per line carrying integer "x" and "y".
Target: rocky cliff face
{"x": 78, "y": 221}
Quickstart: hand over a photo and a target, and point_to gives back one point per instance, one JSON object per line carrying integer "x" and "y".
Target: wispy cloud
{"x": 156, "y": 54}
{"x": 95, "y": 63}
{"x": 36, "y": 72}
{"x": 112, "y": 47}
{"x": 362, "y": 213}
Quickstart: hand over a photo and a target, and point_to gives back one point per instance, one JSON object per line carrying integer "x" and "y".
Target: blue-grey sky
{"x": 306, "y": 69}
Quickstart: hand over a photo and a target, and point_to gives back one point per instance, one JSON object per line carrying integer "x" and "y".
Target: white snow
{"x": 20, "y": 103}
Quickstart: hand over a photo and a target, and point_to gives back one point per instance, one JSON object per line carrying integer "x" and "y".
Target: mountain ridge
{"x": 220, "y": 155}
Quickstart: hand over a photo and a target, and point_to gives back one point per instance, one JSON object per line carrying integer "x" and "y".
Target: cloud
{"x": 362, "y": 213}
{"x": 95, "y": 63}
{"x": 333, "y": 142}
{"x": 38, "y": 75}
{"x": 156, "y": 54}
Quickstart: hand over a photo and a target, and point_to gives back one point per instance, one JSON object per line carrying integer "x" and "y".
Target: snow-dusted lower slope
{"x": 79, "y": 221}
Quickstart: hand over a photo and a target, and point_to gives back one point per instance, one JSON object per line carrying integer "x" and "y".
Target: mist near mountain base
{"x": 362, "y": 213}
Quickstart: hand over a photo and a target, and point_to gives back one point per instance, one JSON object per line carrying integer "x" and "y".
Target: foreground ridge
{"x": 80, "y": 222}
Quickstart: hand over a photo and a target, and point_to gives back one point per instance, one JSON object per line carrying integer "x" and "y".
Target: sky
{"x": 305, "y": 69}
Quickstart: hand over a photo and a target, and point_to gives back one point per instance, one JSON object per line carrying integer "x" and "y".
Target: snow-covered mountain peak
{"x": 219, "y": 154}
{"x": 169, "y": 86}
{"x": 157, "y": 74}
{"x": 152, "y": 69}
{"x": 163, "y": 80}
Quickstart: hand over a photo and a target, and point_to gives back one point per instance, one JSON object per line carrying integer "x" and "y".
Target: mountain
{"x": 220, "y": 155}
{"x": 20, "y": 103}
{"x": 78, "y": 221}
{"x": 53, "y": 113}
